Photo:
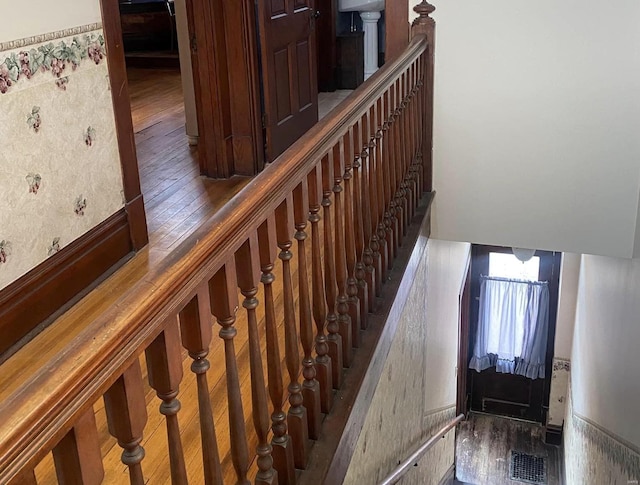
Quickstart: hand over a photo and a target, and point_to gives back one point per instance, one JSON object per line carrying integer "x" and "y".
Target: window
{"x": 506, "y": 265}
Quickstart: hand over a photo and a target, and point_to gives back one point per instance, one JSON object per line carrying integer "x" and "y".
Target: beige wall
{"x": 602, "y": 443}
{"x": 593, "y": 456}
{"x": 536, "y": 116}
{"x": 606, "y": 386}
{"x": 417, "y": 390}
{"x": 36, "y": 17}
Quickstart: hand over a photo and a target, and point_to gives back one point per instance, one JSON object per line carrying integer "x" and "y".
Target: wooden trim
{"x": 224, "y": 53}
{"x": 206, "y": 31}
{"x": 396, "y": 28}
{"x": 553, "y": 435}
{"x": 137, "y": 222}
{"x": 462, "y": 401}
{"x": 244, "y": 82}
{"x": 56, "y": 284}
{"x": 341, "y": 429}
{"x": 124, "y": 125}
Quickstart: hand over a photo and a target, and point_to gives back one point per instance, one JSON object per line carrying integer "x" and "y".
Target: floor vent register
{"x": 528, "y": 468}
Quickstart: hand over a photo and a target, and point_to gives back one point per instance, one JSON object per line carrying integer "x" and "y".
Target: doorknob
{"x": 315, "y": 14}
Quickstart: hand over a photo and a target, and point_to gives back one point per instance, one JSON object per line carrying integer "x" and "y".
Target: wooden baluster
{"x": 391, "y": 183}
{"x": 310, "y": 386}
{"x": 77, "y": 456}
{"x": 352, "y": 285}
{"x": 367, "y": 258}
{"x": 334, "y": 339}
{"x": 164, "y": 367}
{"x": 248, "y": 266}
{"x": 419, "y": 122}
{"x": 413, "y": 186}
{"x": 408, "y": 185}
{"x": 379, "y": 228}
{"x": 360, "y": 272}
{"x": 344, "y": 319}
{"x": 403, "y": 154}
{"x": 373, "y": 200}
{"x": 126, "y": 416}
{"x": 196, "y": 333}
{"x": 400, "y": 212}
{"x": 25, "y": 478}
{"x": 282, "y": 449}
{"x": 425, "y": 25}
{"x": 386, "y": 181}
{"x": 323, "y": 362}
{"x": 414, "y": 130}
{"x": 297, "y": 415}
{"x": 224, "y": 303}
{"x": 417, "y": 176}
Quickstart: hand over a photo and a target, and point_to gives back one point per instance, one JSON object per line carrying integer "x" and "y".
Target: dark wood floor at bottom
{"x": 483, "y": 450}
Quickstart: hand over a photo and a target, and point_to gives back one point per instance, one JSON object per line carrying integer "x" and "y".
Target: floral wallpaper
{"x": 60, "y": 172}
{"x": 593, "y": 455}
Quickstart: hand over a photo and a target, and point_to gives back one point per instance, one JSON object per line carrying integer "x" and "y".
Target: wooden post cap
{"x": 424, "y": 9}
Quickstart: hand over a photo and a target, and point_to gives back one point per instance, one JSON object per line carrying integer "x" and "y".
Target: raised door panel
{"x": 290, "y": 90}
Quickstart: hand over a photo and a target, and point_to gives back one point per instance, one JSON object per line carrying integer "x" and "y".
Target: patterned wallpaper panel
{"x": 397, "y": 420}
{"x": 559, "y": 388}
{"x": 60, "y": 172}
{"x": 594, "y": 456}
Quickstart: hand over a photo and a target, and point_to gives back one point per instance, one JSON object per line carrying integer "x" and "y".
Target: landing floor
{"x": 483, "y": 450}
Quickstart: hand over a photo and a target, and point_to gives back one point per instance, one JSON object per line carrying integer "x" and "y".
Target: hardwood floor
{"x": 177, "y": 198}
{"x": 484, "y": 444}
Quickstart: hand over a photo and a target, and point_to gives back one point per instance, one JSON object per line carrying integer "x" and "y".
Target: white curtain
{"x": 513, "y": 323}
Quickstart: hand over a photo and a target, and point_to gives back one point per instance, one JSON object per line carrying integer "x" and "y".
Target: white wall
{"x": 567, "y": 295}
{"x": 536, "y": 118}
{"x": 605, "y": 363}
{"x": 447, "y": 262}
{"x": 35, "y": 17}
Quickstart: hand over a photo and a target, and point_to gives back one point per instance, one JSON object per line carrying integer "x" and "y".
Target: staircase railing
{"x": 404, "y": 467}
{"x": 356, "y": 177}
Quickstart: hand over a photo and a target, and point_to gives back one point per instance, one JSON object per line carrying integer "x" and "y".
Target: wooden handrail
{"x": 402, "y": 469}
{"x": 47, "y": 406}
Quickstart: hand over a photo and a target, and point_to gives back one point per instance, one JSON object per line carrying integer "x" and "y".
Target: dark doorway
{"x": 508, "y": 394}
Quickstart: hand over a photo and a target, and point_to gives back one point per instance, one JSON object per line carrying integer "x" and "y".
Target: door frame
{"x": 224, "y": 46}
{"x": 467, "y": 337}
{"x": 464, "y": 320}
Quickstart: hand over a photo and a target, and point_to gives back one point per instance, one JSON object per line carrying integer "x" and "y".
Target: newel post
{"x": 425, "y": 25}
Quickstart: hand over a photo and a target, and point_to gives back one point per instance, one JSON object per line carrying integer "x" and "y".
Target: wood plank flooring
{"x": 484, "y": 444}
{"x": 177, "y": 200}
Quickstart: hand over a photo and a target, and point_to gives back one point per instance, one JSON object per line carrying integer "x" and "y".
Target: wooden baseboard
{"x": 553, "y": 435}
{"x": 44, "y": 292}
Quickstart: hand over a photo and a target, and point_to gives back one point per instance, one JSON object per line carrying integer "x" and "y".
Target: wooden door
{"x": 289, "y": 79}
{"x": 507, "y": 394}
